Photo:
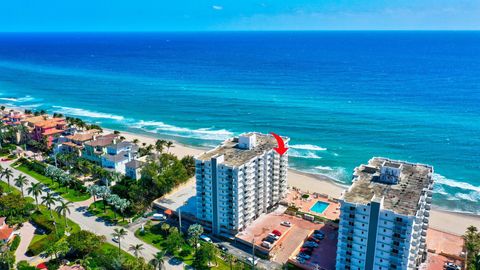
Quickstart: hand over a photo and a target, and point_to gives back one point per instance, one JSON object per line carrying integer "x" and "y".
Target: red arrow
{"x": 281, "y": 149}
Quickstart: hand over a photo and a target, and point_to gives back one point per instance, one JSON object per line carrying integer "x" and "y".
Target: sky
{"x": 236, "y": 15}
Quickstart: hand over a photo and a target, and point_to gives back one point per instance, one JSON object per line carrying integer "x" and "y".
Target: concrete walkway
{"x": 90, "y": 222}
{"x": 26, "y": 233}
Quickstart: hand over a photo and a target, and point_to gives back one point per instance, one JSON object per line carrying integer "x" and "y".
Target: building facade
{"x": 384, "y": 216}
{"x": 238, "y": 181}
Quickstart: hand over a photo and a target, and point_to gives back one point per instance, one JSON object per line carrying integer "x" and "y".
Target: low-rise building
{"x": 6, "y": 232}
{"x": 75, "y": 143}
{"x": 118, "y": 155}
{"x": 384, "y": 216}
{"x": 48, "y": 129}
{"x": 133, "y": 169}
{"x": 94, "y": 150}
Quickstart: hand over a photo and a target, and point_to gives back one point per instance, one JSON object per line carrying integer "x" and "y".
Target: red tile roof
{"x": 5, "y": 232}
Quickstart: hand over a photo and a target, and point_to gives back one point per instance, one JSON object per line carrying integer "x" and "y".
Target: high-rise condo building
{"x": 384, "y": 216}
{"x": 238, "y": 181}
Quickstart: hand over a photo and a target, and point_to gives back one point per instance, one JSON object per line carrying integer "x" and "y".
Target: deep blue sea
{"x": 342, "y": 97}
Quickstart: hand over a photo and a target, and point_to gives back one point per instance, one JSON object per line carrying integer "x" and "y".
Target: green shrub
{"x": 43, "y": 222}
{"x": 23, "y": 265}
{"x": 15, "y": 243}
{"x": 40, "y": 246}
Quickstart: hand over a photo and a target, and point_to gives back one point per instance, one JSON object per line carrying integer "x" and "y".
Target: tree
{"x": 15, "y": 208}
{"x": 35, "y": 190}
{"x": 158, "y": 260}
{"x": 85, "y": 242}
{"x": 8, "y": 174}
{"x": 205, "y": 255}
{"x": 189, "y": 164}
{"x": 472, "y": 246}
{"x": 64, "y": 209}
{"x": 159, "y": 144}
{"x": 21, "y": 181}
{"x": 49, "y": 200}
{"x": 165, "y": 227}
{"x": 136, "y": 249}
{"x": 230, "y": 259}
{"x": 194, "y": 232}
{"x": 104, "y": 192}
{"x": 119, "y": 234}
{"x": 169, "y": 144}
{"x": 174, "y": 241}
{"x": 135, "y": 141}
{"x": 122, "y": 205}
{"x": 7, "y": 259}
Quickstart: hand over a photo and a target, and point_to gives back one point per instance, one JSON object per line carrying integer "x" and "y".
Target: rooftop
{"x": 235, "y": 156}
{"x": 135, "y": 164}
{"x": 403, "y": 197}
{"x": 81, "y": 137}
{"x": 103, "y": 140}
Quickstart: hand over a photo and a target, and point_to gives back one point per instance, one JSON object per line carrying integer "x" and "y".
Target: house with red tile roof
{"x": 49, "y": 129}
{"x": 6, "y": 232}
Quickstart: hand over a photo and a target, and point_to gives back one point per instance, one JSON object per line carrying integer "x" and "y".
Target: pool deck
{"x": 332, "y": 212}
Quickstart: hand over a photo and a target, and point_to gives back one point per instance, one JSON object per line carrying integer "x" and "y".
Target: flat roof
{"x": 235, "y": 156}
{"x": 403, "y": 197}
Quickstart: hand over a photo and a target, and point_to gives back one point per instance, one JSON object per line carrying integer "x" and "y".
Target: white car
{"x": 251, "y": 261}
{"x": 159, "y": 217}
{"x": 205, "y": 238}
{"x": 286, "y": 223}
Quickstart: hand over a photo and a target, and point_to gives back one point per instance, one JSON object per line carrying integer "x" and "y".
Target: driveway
{"x": 26, "y": 233}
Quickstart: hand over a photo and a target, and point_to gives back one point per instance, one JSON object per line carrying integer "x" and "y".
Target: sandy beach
{"x": 450, "y": 222}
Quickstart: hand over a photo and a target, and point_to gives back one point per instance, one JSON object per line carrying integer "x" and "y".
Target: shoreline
{"x": 440, "y": 219}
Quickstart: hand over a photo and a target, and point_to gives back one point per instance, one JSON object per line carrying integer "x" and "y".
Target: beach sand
{"x": 451, "y": 222}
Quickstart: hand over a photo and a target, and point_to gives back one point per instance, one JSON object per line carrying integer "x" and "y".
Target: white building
{"x": 238, "y": 181}
{"x": 384, "y": 216}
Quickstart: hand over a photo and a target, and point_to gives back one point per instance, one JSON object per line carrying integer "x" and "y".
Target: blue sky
{"x": 224, "y": 15}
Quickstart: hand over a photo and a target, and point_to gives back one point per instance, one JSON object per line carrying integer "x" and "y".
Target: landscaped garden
{"x": 108, "y": 213}
{"x": 34, "y": 169}
{"x": 165, "y": 237}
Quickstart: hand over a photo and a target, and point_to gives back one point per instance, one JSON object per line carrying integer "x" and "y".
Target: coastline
{"x": 440, "y": 219}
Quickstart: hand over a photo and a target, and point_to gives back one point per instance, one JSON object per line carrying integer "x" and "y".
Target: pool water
{"x": 319, "y": 207}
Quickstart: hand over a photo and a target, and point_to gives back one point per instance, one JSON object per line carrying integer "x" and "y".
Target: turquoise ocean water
{"x": 342, "y": 97}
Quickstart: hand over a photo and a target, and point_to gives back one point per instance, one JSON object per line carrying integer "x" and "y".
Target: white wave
{"x": 87, "y": 113}
{"x": 440, "y": 179}
{"x": 303, "y": 154}
{"x": 201, "y": 133}
{"x": 324, "y": 168}
{"x": 440, "y": 190}
{"x": 472, "y": 196}
{"x": 308, "y": 147}
{"x": 18, "y": 100}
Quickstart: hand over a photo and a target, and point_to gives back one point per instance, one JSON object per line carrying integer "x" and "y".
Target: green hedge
{"x": 40, "y": 246}
{"x": 15, "y": 243}
{"x": 43, "y": 222}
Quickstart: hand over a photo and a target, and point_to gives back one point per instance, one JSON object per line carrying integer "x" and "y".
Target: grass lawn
{"x": 107, "y": 247}
{"x": 67, "y": 193}
{"x": 153, "y": 236}
{"x": 110, "y": 214}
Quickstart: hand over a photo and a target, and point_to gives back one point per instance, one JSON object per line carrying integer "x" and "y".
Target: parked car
{"x": 310, "y": 244}
{"x": 205, "y": 238}
{"x": 159, "y": 216}
{"x": 269, "y": 239}
{"x": 277, "y": 233}
{"x": 286, "y": 223}
{"x": 318, "y": 232}
{"x": 266, "y": 244}
{"x": 222, "y": 248}
{"x": 313, "y": 239}
{"x": 276, "y": 237}
{"x": 307, "y": 251}
{"x": 306, "y": 248}
{"x": 251, "y": 261}
{"x": 304, "y": 256}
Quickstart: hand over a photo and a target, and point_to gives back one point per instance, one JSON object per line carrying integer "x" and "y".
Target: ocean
{"x": 342, "y": 97}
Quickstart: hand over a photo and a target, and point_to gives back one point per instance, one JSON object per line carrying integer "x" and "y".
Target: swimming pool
{"x": 319, "y": 207}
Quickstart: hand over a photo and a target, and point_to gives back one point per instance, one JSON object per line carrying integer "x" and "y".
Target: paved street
{"x": 91, "y": 223}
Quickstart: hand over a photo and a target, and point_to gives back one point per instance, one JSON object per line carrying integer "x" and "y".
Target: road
{"x": 91, "y": 223}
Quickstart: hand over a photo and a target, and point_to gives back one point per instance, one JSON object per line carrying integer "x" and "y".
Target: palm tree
{"x": 158, "y": 260}
{"x": 159, "y": 144}
{"x": 35, "y": 190}
{"x": 49, "y": 200}
{"x": 64, "y": 209}
{"x": 21, "y": 181}
{"x": 135, "y": 141}
{"x": 8, "y": 174}
{"x": 119, "y": 234}
{"x": 136, "y": 249}
{"x": 169, "y": 144}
